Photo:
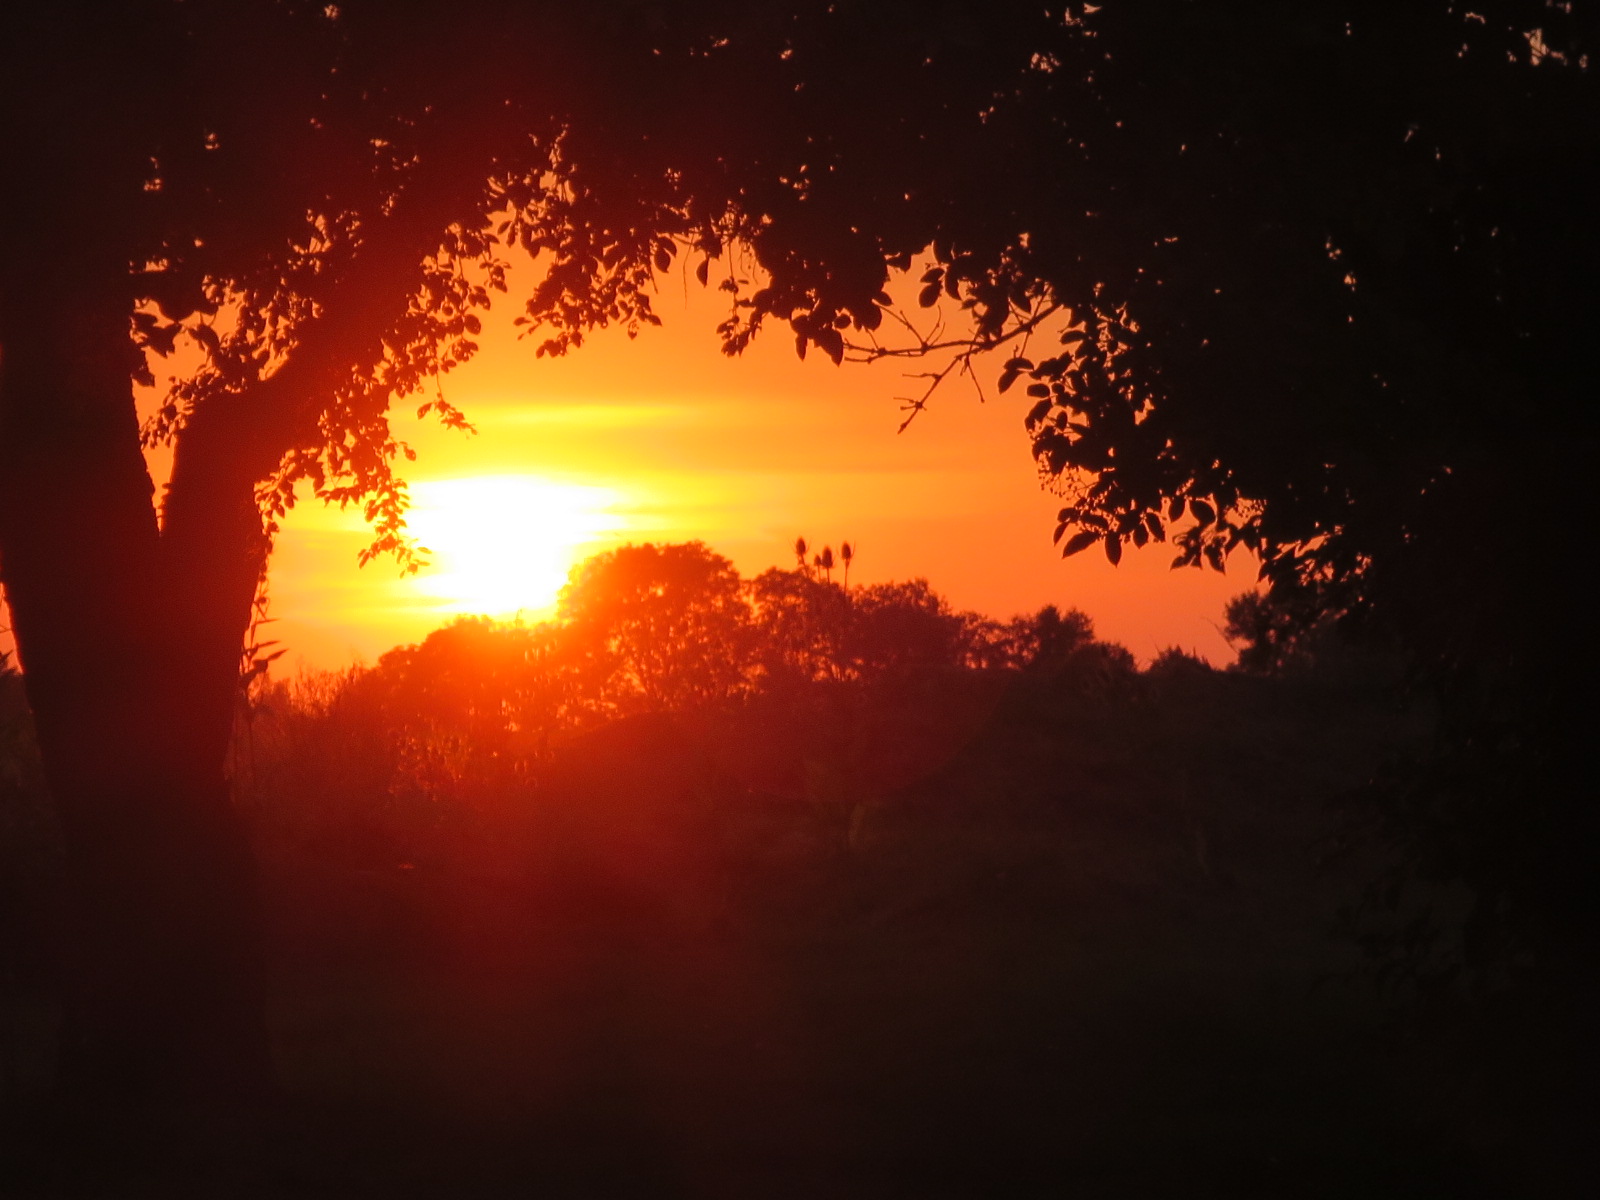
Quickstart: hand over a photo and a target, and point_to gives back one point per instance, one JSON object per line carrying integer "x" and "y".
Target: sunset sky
{"x": 663, "y": 438}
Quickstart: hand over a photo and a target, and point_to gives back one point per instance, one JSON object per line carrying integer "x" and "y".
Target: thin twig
{"x": 965, "y": 350}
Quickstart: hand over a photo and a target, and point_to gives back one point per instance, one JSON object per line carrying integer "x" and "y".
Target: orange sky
{"x": 663, "y": 438}
{"x": 671, "y": 440}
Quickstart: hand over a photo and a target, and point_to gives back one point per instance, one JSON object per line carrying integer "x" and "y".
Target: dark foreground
{"x": 713, "y": 960}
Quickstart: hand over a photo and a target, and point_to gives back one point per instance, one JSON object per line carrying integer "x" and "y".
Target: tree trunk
{"x": 128, "y": 635}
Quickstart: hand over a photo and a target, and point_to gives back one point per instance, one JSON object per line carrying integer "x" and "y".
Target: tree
{"x": 896, "y": 627}
{"x": 666, "y": 626}
{"x": 801, "y": 626}
{"x": 475, "y": 704}
{"x": 808, "y": 630}
{"x": 1048, "y": 637}
{"x": 1268, "y": 633}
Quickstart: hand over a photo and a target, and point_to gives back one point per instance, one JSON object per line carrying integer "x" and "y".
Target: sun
{"x": 503, "y": 544}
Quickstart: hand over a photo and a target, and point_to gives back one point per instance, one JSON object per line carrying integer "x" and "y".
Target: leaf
{"x": 1007, "y": 378}
{"x": 832, "y": 344}
{"x": 663, "y": 260}
{"x": 1175, "y": 509}
{"x": 1113, "y": 548}
{"x": 702, "y": 271}
{"x": 928, "y": 296}
{"x": 207, "y": 337}
{"x": 163, "y": 340}
{"x": 1041, "y": 390}
{"x": 1081, "y": 540}
{"x": 1203, "y": 512}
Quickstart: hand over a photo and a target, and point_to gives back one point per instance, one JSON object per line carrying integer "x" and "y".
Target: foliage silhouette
{"x": 801, "y": 623}
{"x": 665, "y": 625}
{"x": 1307, "y": 312}
{"x": 466, "y": 721}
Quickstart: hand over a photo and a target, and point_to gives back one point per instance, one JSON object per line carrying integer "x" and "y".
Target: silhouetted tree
{"x": 1050, "y": 635}
{"x": 667, "y": 626}
{"x": 899, "y": 626}
{"x": 1275, "y": 632}
{"x": 476, "y": 704}
{"x": 801, "y": 626}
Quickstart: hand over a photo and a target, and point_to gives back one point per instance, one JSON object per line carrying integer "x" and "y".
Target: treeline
{"x": 804, "y": 701}
{"x": 810, "y": 689}
{"x": 478, "y": 705}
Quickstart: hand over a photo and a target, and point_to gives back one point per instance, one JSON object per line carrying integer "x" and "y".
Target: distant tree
{"x": 898, "y": 626}
{"x": 1176, "y": 662}
{"x": 1051, "y": 635}
{"x": 1271, "y": 632}
{"x": 667, "y": 626}
{"x": 1039, "y": 639}
{"x": 800, "y": 625}
{"x": 476, "y": 704}
{"x": 808, "y": 629}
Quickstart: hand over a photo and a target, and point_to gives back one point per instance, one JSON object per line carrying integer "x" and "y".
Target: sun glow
{"x": 503, "y": 544}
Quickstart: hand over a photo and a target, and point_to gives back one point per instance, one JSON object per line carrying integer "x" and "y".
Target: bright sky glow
{"x": 503, "y": 544}
{"x": 665, "y": 439}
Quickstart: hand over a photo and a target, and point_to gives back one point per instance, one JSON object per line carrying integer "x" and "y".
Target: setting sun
{"x": 502, "y": 544}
